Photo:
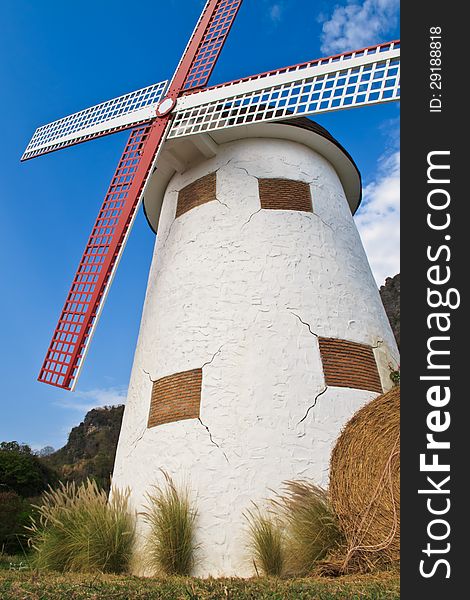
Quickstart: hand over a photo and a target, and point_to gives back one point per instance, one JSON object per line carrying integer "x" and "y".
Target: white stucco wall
{"x": 228, "y": 288}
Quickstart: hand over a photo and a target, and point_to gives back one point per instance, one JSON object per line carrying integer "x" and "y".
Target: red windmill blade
{"x": 352, "y": 79}
{"x": 106, "y": 243}
{"x": 101, "y": 257}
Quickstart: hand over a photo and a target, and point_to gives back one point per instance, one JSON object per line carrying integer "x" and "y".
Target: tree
{"x": 15, "y": 514}
{"x": 21, "y": 471}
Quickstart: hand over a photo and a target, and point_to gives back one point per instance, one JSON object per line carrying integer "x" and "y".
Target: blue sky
{"x": 60, "y": 57}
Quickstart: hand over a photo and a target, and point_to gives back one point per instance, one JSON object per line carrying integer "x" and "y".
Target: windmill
{"x": 193, "y": 149}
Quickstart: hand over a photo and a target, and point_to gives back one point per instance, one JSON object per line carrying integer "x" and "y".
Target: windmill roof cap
{"x": 182, "y": 152}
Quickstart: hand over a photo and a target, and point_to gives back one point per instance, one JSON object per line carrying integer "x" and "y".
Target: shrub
{"x": 78, "y": 529}
{"x": 11, "y": 506}
{"x": 311, "y": 526}
{"x": 395, "y": 376}
{"x": 266, "y": 542}
{"x": 15, "y": 514}
{"x": 170, "y": 546}
{"x": 21, "y": 471}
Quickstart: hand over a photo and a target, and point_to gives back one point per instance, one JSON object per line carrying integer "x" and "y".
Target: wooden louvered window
{"x": 196, "y": 193}
{"x": 285, "y": 194}
{"x": 176, "y": 398}
{"x": 349, "y": 364}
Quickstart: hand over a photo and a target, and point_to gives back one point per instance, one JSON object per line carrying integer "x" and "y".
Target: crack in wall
{"x": 216, "y": 171}
{"x": 326, "y": 387}
{"x": 212, "y": 439}
{"x": 147, "y": 373}
{"x": 304, "y": 323}
{"x": 223, "y": 203}
{"x": 224, "y": 165}
{"x": 206, "y": 364}
{"x": 309, "y": 182}
{"x": 377, "y": 345}
{"x": 324, "y": 222}
{"x": 134, "y": 444}
{"x": 251, "y": 216}
{"x": 237, "y": 168}
{"x": 247, "y": 172}
{"x": 313, "y": 405}
{"x": 168, "y": 234}
{"x": 296, "y": 167}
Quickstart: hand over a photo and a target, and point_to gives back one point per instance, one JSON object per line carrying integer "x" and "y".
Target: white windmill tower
{"x": 262, "y": 330}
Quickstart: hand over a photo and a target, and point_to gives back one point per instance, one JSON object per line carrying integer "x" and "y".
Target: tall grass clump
{"x": 171, "y": 546}
{"x": 266, "y": 542}
{"x": 312, "y": 531}
{"x": 78, "y": 529}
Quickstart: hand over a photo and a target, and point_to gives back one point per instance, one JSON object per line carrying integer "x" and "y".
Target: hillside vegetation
{"x": 91, "y": 448}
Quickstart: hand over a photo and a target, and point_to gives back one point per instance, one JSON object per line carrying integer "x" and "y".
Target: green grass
{"x": 170, "y": 548}
{"x": 266, "y": 542}
{"x": 79, "y": 530}
{"x": 14, "y": 562}
{"x": 51, "y": 586}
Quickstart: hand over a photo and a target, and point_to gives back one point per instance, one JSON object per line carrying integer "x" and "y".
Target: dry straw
{"x": 365, "y": 483}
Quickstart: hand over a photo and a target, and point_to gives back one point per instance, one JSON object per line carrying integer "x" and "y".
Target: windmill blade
{"x": 103, "y": 251}
{"x": 139, "y": 107}
{"x": 108, "y": 117}
{"x": 85, "y": 300}
{"x": 363, "y": 77}
{"x": 205, "y": 45}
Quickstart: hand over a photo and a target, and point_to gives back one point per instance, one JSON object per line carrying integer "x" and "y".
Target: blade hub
{"x": 166, "y": 106}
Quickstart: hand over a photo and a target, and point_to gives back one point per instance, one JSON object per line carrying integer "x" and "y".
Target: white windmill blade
{"x": 363, "y": 77}
{"x": 107, "y": 117}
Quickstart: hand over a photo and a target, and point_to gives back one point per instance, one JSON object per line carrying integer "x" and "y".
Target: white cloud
{"x": 275, "y": 12}
{"x": 84, "y": 401}
{"x": 357, "y": 25}
{"x": 378, "y": 219}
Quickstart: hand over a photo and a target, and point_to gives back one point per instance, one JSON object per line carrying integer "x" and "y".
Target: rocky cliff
{"x": 91, "y": 447}
{"x": 390, "y": 293}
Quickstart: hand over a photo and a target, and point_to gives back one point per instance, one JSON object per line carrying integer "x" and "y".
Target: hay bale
{"x": 365, "y": 482}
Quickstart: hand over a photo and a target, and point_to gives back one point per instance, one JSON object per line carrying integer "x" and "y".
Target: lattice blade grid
{"x": 95, "y": 268}
{"x": 212, "y": 43}
{"x": 376, "y": 80}
{"x": 114, "y": 115}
